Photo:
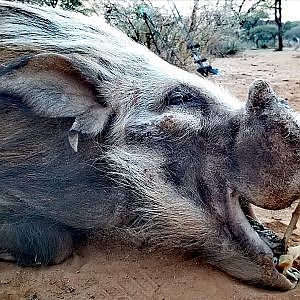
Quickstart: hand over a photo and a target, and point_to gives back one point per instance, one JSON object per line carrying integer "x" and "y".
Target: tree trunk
{"x": 278, "y": 10}
{"x": 194, "y": 16}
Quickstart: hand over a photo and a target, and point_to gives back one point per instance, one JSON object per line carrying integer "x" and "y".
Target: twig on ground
{"x": 292, "y": 225}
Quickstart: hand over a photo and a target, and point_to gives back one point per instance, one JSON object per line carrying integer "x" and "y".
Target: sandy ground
{"x": 106, "y": 270}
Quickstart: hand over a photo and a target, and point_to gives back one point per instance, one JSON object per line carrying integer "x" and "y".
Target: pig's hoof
{"x": 4, "y": 255}
{"x": 24, "y": 260}
{"x": 35, "y": 241}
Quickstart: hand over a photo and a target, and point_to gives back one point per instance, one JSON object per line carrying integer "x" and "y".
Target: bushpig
{"x": 99, "y": 134}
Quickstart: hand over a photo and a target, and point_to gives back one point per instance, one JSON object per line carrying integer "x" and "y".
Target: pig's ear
{"x": 54, "y": 85}
{"x": 260, "y": 95}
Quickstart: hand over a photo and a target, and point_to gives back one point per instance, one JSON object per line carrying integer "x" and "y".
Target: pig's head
{"x": 176, "y": 142}
{"x": 215, "y": 154}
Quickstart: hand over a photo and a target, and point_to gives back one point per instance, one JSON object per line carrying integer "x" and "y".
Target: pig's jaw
{"x": 243, "y": 228}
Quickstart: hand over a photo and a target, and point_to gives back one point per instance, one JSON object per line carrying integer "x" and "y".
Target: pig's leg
{"x": 33, "y": 241}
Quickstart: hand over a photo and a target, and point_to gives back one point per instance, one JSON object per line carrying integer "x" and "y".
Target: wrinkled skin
{"x": 97, "y": 133}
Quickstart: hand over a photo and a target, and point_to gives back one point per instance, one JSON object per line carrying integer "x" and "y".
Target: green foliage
{"x": 256, "y": 18}
{"x": 293, "y": 32}
{"x": 263, "y": 35}
{"x": 289, "y": 25}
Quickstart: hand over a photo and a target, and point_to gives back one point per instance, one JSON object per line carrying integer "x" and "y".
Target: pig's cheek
{"x": 139, "y": 133}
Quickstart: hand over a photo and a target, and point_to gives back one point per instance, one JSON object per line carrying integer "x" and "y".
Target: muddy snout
{"x": 267, "y": 150}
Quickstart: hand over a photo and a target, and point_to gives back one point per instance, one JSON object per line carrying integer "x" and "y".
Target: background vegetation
{"x": 180, "y": 38}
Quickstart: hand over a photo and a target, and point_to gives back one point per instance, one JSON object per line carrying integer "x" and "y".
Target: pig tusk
{"x": 73, "y": 139}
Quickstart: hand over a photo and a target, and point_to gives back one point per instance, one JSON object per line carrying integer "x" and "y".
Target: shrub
{"x": 293, "y": 32}
{"x": 264, "y": 35}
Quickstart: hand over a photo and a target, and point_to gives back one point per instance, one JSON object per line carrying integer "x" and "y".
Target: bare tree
{"x": 194, "y": 16}
{"x": 242, "y": 9}
{"x": 278, "y": 11}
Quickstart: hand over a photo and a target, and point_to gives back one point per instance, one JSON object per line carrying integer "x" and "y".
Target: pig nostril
{"x": 275, "y": 261}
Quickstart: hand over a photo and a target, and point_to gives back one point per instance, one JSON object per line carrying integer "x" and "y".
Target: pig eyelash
{"x": 187, "y": 100}
{"x": 176, "y": 98}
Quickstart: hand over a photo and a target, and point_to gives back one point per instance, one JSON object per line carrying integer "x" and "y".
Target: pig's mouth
{"x": 260, "y": 240}
{"x": 268, "y": 236}
{"x": 245, "y": 226}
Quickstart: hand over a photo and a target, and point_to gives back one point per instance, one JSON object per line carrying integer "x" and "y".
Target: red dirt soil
{"x": 108, "y": 270}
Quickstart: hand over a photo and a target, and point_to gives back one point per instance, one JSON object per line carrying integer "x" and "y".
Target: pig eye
{"x": 177, "y": 98}
{"x": 275, "y": 261}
